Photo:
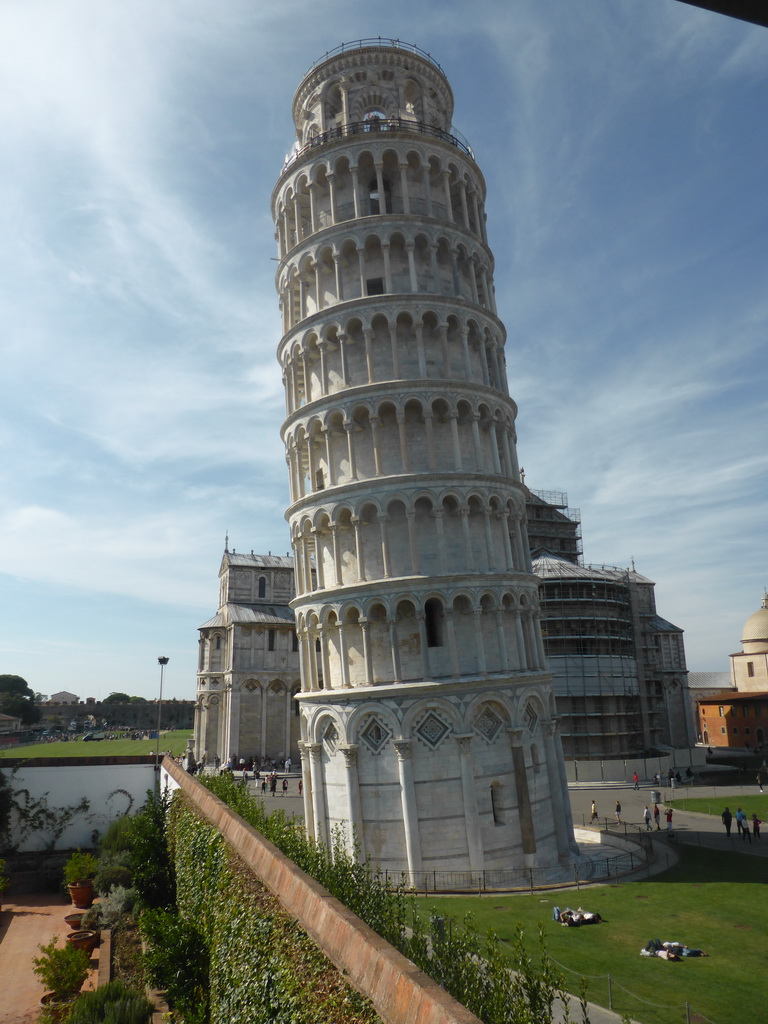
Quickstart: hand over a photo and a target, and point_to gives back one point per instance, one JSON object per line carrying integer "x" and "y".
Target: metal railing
{"x": 361, "y": 44}
{"x": 525, "y": 879}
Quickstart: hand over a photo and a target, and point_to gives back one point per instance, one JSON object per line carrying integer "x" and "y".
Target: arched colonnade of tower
{"x": 389, "y": 175}
{"x": 408, "y": 534}
{"x": 419, "y": 432}
{"x": 409, "y": 635}
{"x": 362, "y": 349}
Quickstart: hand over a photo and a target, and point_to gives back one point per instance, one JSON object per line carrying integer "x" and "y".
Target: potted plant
{"x": 75, "y": 920}
{"x": 78, "y": 874}
{"x": 84, "y": 939}
{"x": 62, "y": 972}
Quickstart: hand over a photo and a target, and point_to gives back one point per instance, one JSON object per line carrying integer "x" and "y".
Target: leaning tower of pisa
{"x": 427, "y": 725}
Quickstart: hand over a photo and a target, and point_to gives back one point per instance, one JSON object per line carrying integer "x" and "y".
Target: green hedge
{"x": 262, "y": 966}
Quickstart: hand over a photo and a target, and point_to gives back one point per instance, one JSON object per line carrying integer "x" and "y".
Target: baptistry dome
{"x": 755, "y": 632}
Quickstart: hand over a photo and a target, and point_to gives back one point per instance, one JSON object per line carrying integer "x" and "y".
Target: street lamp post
{"x": 162, "y": 662}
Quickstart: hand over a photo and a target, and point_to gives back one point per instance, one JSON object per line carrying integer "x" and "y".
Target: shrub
{"x": 150, "y": 861}
{"x": 117, "y": 837}
{"x": 80, "y": 867}
{"x": 176, "y": 959}
{"x": 114, "y": 1003}
{"x": 4, "y": 879}
{"x": 110, "y": 909}
{"x": 62, "y": 971}
{"x": 110, "y": 875}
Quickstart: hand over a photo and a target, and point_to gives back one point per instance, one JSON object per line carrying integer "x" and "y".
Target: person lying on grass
{"x": 575, "y": 918}
{"x": 670, "y": 950}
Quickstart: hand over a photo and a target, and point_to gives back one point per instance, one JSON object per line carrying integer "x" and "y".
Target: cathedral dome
{"x": 756, "y": 627}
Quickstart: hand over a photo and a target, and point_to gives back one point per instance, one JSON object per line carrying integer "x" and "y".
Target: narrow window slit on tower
{"x": 433, "y": 614}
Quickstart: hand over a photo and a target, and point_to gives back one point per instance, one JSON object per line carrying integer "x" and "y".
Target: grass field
{"x": 752, "y": 804}
{"x": 716, "y": 901}
{"x": 174, "y": 740}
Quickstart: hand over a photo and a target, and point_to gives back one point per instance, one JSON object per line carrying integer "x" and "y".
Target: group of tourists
{"x": 747, "y": 828}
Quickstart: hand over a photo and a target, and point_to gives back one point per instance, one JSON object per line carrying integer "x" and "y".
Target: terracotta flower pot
{"x": 84, "y": 940}
{"x": 74, "y": 921}
{"x": 81, "y": 893}
{"x": 57, "y": 1008}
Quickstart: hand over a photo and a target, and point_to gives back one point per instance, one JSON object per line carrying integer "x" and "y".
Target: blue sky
{"x": 626, "y": 157}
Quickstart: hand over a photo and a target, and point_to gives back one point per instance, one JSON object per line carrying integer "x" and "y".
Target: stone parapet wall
{"x": 400, "y": 992}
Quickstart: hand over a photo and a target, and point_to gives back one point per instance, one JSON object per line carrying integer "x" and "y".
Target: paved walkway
{"x": 25, "y": 923}
{"x": 688, "y": 827}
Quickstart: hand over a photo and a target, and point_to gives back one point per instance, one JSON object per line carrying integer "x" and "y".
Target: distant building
{"x": 63, "y": 697}
{"x": 619, "y": 668}
{"x": 9, "y": 725}
{"x": 248, "y": 668}
{"x": 749, "y": 667}
{"x": 74, "y": 716}
{"x": 738, "y": 716}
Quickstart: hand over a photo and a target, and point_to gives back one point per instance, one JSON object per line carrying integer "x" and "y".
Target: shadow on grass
{"x": 698, "y": 864}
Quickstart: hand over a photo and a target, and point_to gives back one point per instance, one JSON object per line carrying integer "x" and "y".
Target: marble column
{"x": 410, "y": 813}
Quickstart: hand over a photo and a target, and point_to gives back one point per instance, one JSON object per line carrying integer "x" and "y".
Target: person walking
{"x": 756, "y": 823}
{"x": 745, "y": 833}
{"x": 759, "y": 782}
{"x": 668, "y": 815}
{"x": 594, "y": 816}
{"x": 618, "y": 811}
{"x": 647, "y": 818}
{"x": 636, "y": 780}
{"x": 657, "y": 816}
{"x": 727, "y": 819}
{"x": 741, "y": 819}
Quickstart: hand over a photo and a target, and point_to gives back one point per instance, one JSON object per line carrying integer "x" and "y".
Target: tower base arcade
{"x": 439, "y": 778}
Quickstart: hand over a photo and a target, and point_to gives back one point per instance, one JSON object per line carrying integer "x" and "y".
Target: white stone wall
{"x": 111, "y": 790}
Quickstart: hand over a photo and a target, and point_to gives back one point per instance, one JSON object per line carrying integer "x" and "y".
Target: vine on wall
{"x": 26, "y": 814}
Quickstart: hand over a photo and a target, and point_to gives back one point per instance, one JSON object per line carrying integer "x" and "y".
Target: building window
{"x": 722, "y": 729}
{"x": 496, "y": 804}
{"x": 720, "y": 711}
{"x": 295, "y": 646}
{"x": 433, "y": 615}
{"x": 262, "y": 586}
{"x": 218, "y": 643}
{"x": 750, "y": 668}
{"x": 271, "y": 640}
{"x": 735, "y": 730}
{"x": 375, "y": 286}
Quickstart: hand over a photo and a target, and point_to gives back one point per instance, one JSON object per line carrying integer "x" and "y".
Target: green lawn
{"x": 175, "y": 741}
{"x": 752, "y": 804}
{"x": 716, "y": 901}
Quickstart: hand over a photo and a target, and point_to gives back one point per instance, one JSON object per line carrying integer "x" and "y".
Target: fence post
{"x": 610, "y": 993}
{"x": 687, "y": 1013}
